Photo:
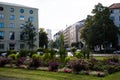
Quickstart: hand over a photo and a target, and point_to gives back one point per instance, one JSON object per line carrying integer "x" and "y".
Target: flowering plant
{"x": 53, "y": 66}
{"x": 20, "y": 61}
{"x": 67, "y": 70}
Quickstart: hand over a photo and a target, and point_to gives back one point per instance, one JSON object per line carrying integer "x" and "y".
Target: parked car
{"x": 116, "y": 52}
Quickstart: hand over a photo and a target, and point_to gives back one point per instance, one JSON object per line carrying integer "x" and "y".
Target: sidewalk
{"x": 105, "y": 54}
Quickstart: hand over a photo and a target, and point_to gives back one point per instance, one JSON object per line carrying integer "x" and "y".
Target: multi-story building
{"x": 12, "y": 21}
{"x": 115, "y": 16}
{"x": 66, "y": 33}
{"x": 72, "y": 33}
{"x": 49, "y": 34}
{"x": 57, "y": 35}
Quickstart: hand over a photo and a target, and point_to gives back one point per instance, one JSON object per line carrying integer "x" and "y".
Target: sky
{"x": 58, "y": 14}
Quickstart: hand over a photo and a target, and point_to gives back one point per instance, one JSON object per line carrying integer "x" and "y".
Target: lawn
{"x": 24, "y": 74}
{"x": 104, "y": 57}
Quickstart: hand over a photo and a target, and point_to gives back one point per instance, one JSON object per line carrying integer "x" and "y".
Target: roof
{"x": 115, "y": 6}
{"x": 12, "y": 4}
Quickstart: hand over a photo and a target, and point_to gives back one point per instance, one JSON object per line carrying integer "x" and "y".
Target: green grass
{"x": 99, "y": 57}
{"x": 24, "y": 74}
{"x": 103, "y": 57}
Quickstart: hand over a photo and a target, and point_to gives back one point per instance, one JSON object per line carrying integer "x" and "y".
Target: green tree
{"x": 56, "y": 44}
{"x": 99, "y": 29}
{"x": 61, "y": 47}
{"x": 29, "y": 34}
{"x": 43, "y": 39}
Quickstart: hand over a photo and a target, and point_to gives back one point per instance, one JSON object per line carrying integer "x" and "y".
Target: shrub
{"x": 98, "y": 67}
{"x": 17, "y": 56}
{"x": 73, "y": 49}
{"x": 112, "y": 69}
{"x": 20, "y": 61}
{"x": 53, "y": 65}
{"x": 23, "y": 53}
{"x": 35, "y": 56}
{"x": 31, "y": 53}
{"x": 34, "y": 64}
{"x": 11, "y": 52}
{"x": 4, "y": 61}
{"x": 78, "y": 65}
{"x": 12, "y": 56}
{"x": 86, "y": 52}
{"x": 67, "y": 59}
{"x": 46, "y": 56}
{"x": 78, "y": 55}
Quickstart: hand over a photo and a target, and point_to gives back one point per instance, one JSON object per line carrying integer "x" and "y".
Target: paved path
{"x": 105, "y": 54}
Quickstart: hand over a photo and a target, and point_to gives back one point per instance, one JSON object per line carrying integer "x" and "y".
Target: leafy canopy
{"x": 99, "y": 29}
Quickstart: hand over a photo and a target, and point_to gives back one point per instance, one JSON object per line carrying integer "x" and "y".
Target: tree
{"x": 99, "y": 29}
{"x": 43, "y": 39}
{"x": 61, "y": 47}
{"x": 56, "y": 43}
{"x": 29, "y": 34}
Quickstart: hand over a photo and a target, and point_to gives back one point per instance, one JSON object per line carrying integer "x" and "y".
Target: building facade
{"x": 115, "y": 16}
{"x": 72, "y": 34}
{"x": 66, "y": 33}
{"x": 49, "y": 34}
{"x": 12, "y": 21}
{"x": 57, "y": 35}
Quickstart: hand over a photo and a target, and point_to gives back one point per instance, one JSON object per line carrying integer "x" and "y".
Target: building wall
{"x": 17, "y": 21}
{"x": 49, "y": 34}
{"x": 57, "y": 35}
{"x": 72, "y": 33}
{"x": 66, "y": 33}
{"x": 115, "y": 16}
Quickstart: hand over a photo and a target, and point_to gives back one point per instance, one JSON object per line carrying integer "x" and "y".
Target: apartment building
{"x": 49, "y": 34}
{"x": 72, "y": 34}
{"x": 115, "y": 16}
{"x": 12, "y": 21}
{"x": 57, "y": 35}
{"x": 66, "y": 33}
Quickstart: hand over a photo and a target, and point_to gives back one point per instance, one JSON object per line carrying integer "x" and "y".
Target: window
{"x": 11, "y": 9}
{"x": 12, "y": 17}
{"x": 1, "y": 46}
{"x": 22, "y": 46}
{"x": 11, "y": 46}
{"x": 1, "y": 35}
{"x": 11, "y": 25}
{"x": 21, "y": 10}
{"x": 21, "y": 26}
{"x": 31, "y": 18}
{"x": 31, "y": 11}
{"x": 11, "y": 36}
{"x": 1, "y": 9}
{"x": 21, "y": 36}
{"x": 22, "y": 18}
{"x": 1, "y": 16}
{"x": 112, "y": 11}
{"x": 1, "y": 25}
